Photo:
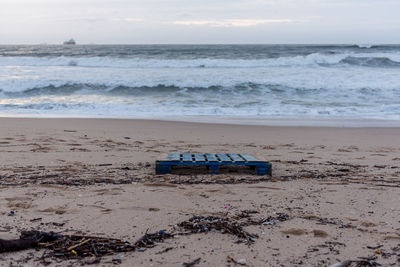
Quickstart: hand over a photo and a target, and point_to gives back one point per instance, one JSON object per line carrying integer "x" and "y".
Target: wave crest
{"x": 125, "y": 90}
{"x": 314, "y": 59}
{"x": 377, "y": 62}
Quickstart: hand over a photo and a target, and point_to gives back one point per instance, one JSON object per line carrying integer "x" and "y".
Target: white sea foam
{"x": 365, "y": 45}
{"x": 333, "y": 80}
{"x": 315, "y": 59}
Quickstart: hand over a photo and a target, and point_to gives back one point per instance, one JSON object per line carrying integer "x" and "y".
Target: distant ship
{"x": 70, "y": 42}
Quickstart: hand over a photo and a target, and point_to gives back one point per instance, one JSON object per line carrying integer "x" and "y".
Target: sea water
{"x": 225, "y": 81}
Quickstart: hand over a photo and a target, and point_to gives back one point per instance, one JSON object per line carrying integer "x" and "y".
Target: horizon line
{"x": 300, "y": 43}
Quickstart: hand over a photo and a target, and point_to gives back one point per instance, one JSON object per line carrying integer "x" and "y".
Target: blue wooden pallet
{"x": 212, "y": 161}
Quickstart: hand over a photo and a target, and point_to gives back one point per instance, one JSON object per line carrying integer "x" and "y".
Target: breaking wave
{"x": 125, "y": 90}
{"x": 378, "y": 62}
{"x": 367, "y": 46}
{"x": 315, "y": 59}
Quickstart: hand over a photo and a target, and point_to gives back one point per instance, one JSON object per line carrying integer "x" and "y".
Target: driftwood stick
{"x": 28, "y": 239}
{"x": 78, "y": 245}
{"x": 17, "y": 244}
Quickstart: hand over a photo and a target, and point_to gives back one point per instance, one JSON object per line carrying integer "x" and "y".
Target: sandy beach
{"x": 333, "y": 196}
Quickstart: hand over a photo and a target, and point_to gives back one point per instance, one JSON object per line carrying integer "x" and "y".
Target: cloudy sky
{"x": 199, "y": 21}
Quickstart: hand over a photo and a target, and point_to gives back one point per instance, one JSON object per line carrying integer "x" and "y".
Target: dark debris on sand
{"x": 86, "y": 175}
{"x": 68, "y": 247}
{"x": 151, "y": 240}
{"x": 230, "y": 225}
{"x": 200, "y": 224}
{"x": 90, "y": 249}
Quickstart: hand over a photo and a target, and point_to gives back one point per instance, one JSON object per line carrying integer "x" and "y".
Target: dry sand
{"x": 340, "y": 188}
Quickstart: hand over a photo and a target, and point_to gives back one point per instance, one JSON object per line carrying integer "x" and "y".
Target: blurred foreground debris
{"x": 90, "y": 249}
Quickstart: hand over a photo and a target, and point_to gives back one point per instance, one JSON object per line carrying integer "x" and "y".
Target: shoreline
{"x": 244, "y": 121}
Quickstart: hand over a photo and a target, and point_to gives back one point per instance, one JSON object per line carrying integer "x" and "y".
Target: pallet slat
{"x": 211, "y": 157}
{"x": 199, "y": 157}
{"x": 236, "y": 157}
{"x": 223, "y": 157}
{"x": 174, "y": 156}
{"x": 187, "y": 158}
{"x": 248, "y": 157}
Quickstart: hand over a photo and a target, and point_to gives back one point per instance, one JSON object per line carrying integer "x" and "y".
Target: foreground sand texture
{"x": 339, "y": 187}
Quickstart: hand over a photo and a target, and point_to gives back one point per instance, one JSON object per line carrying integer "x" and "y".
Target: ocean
{"x": 209, "y": 81}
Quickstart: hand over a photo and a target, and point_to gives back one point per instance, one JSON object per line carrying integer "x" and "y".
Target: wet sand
{"x": 338, "y": 187}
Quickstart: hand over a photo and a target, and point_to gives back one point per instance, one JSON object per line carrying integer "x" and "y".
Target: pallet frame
{"x": 212, "y": 161}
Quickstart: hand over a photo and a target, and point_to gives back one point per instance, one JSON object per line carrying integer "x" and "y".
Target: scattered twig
{"x": 200, "y": 224}
{"x": 240, "y": 262}
{"x": 191, "y": 263}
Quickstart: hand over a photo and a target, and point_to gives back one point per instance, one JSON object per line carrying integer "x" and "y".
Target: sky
{"x": 200, "y": 21}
